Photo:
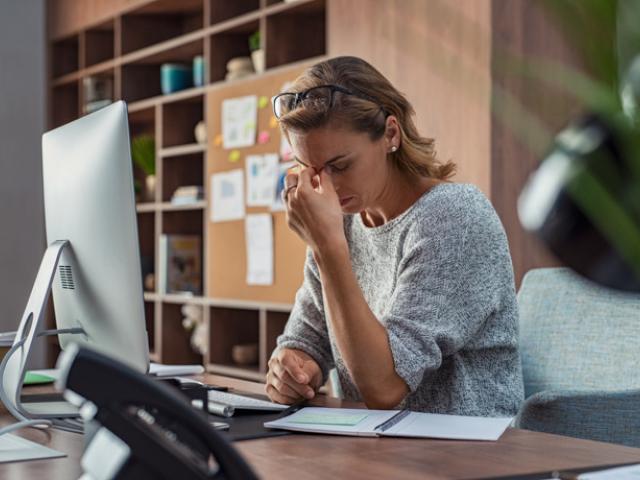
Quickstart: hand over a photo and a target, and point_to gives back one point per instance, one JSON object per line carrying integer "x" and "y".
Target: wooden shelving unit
{"x": 129, "y": 48}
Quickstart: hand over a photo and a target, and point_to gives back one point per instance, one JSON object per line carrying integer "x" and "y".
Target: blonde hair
{"x": 366, "y": 113}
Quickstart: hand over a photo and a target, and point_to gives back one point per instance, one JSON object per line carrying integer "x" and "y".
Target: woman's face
{"x": 358, "y": 167}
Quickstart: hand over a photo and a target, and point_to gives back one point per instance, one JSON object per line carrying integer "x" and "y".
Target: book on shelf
{"x": 180, "y": 264}
{"x": 187, "y": 195}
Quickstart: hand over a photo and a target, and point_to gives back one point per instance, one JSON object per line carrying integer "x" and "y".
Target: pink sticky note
{"x": 264, "y": 137}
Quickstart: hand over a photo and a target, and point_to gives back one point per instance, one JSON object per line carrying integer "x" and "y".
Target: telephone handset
{"x": 146, "y": 429}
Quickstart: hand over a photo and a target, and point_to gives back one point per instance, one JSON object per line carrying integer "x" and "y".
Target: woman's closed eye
{"x": 337, "y": 168}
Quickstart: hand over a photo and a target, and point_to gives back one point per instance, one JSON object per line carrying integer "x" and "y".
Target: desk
{"x": 303, "y": 457}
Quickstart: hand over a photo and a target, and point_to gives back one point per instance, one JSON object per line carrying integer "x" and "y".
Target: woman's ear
{"x": 392, "y": 134}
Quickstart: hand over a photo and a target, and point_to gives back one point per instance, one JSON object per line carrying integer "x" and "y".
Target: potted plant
{"x": 257, "y": 52}
{"x": 143, "y": 154}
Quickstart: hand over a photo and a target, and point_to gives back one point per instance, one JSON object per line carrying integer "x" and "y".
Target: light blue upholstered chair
{"x": 580, "y": 347}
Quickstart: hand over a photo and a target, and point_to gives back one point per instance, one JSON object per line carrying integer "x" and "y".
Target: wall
{"x": 444, "y": 56}
{"x": 437, "y": 53}
{"x": 522, "y": 28}
{"x": 22, "y": 121}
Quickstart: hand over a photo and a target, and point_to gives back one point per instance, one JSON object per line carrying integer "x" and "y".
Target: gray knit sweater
{"x": 439, "y": 278}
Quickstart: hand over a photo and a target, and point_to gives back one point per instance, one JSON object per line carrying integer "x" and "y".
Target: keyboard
{"x": 240, "y": 402}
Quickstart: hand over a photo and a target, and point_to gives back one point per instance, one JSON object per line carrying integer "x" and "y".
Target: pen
{"x": 294, "y": 407}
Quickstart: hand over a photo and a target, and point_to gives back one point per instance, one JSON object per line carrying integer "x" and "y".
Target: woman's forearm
{"x": 361, "y": 338}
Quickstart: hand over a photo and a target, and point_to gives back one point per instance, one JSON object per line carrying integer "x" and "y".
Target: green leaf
{"x": 143, "y": 153}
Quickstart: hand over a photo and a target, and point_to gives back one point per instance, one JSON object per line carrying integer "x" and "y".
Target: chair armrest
{"x": 608, "y": 416}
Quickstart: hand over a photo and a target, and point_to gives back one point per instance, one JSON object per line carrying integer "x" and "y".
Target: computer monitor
{"x": 93, "y": 263}
{"x": 89, "y": 201}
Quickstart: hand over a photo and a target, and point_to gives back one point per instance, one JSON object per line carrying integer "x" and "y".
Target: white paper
{"x": 632, "y": 472}
{"x": 262, "y": 178}
{"x": 239, "y": 121}
{"x": 455, "y": 427}
{"x": 259, "y": 240}
{"x": 161, "y": 370}
{"x": 227, "y": 196}
{"x": 364, "y": 428}
{"x": 14, "y": 449}
{"x": 276, "y": 204}
{"x": 415, "y": 424}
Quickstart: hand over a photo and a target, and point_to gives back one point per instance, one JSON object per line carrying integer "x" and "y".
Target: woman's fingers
{"x": 299, "y": 389}
{"x": 282, "y": 387}
{"x": 292, "y": 365}
{"x": 278, "y": 397}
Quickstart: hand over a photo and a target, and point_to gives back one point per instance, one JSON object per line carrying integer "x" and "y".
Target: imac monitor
{"x": 89, "y": 201}
{"x": 92, "y": 263}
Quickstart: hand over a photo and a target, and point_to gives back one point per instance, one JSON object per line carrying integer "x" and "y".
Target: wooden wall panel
{"x": 69, "y": 16}
{"x": 441, "y": 55}
{"x": 437, "y": 53}
{"x": 522, "y": 27}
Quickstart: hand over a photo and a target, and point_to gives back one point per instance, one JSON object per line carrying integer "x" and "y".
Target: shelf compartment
{"x": 140, "y": 82}
{"x": 142, "y": 122}
{"x": 146, "y": 238}
{"x": 149, "y": 317}
{"x": 182, "y": 222}
{"x": 64, "y": 104}
{"x": 229, "y": 327}
{"x": 181, "y": 171}
{"x": 160, "y": 21}
{"x": 99, "y": 44}
{"x": 97, "y": 91}
{"x": 228, "y": 44}
{"x": 222, "y": 10}
{"x": 179, "y": 120}
{"x": 295, "y": 33}
{"x": 176, "y": 346}
{"x": 65, "y": 57}
{"x": 274, "y": 326}
{"x": 141, "y": 77}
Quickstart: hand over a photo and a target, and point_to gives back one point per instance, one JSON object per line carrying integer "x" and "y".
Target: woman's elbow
{"x": 387, "y": 398}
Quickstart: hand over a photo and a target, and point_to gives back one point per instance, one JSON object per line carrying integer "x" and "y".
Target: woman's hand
{"x": 313, "y": 209}
{"x": 293, "y": 375}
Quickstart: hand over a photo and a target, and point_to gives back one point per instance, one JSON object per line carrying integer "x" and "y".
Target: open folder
{"x": 391, "y": 423}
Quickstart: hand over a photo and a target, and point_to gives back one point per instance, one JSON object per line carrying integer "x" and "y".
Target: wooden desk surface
{"x": 322, "y": 456}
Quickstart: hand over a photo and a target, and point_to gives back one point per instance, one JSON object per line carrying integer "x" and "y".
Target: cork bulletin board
{"x": 225, "y": 254}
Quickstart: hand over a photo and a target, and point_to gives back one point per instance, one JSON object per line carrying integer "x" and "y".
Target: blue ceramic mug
{"x": 175, "y": 77}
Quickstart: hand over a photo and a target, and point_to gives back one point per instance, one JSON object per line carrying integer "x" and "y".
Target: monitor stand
{"x": 14, "y": 365}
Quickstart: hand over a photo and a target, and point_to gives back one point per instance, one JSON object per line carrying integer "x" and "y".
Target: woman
{"x": 408, "y": 284}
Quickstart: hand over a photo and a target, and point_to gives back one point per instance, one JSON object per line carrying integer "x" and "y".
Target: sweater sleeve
{"x": 306, "y": 328}
{"x": 445, "y": 291}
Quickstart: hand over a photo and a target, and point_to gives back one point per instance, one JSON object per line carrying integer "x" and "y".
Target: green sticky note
{"x": 263, "y": 101}
{"x": 344, "y": 419}
{"x": 31, "y": 378}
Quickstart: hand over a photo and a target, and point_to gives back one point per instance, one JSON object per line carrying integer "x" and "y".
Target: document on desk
{"x": 17, "y": 449}
{"x": 391, "y": 423}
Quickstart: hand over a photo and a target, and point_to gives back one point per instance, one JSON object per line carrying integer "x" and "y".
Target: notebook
{"x": 391, "y": 423}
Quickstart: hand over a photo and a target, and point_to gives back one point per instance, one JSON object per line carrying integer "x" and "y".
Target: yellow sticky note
{"x": 263, "y": 101}
{"x": 218, "y": 140}
{"x": 234, "y": 155}
{"x": 273, "y": 122}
